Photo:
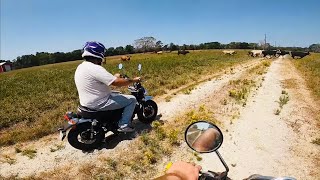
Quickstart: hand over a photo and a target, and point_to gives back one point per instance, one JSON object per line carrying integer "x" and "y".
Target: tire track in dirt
{"x": 46, "y": 160}
{"x": 260, "y": 142}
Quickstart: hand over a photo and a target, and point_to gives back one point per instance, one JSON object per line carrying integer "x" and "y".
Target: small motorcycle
{"x": 88, "y": 127}
{"x": 205, "y": 137}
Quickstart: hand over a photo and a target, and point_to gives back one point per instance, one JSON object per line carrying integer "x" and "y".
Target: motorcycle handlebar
{"x": 209, "y": 175}
{"x": 127, "y": 77}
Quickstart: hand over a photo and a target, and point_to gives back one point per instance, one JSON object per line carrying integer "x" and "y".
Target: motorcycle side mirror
{"x": 120, "y": 66}
{"x": 139, "y": 67}
{"x": 203, "y": 137}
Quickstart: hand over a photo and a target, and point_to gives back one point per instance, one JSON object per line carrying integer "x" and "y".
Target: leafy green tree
{"x": 254, "y": 46}
{"x": 119, "y": 50}
{"x": 243, "y": 45}
{"x": 165, "y": 47}
{"x": 159, "y": 45}
{"x": 173, "y": 47}
{"x": 202, "y": 46}
{"x": 314, "y": 48}
{"x": 129, "y": 49}
{"x": 110, "y": 51}
{"x": 212, "y": 45}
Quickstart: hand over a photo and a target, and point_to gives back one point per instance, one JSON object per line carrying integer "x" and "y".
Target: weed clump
{"x": 316, "y": 141}
{"x": 31, "y": 153}
{"x": 283, "y": 100}
{"x": 8, "y": 159}
{"x": 266, "y": 63}
{"x": 57, "y": 147}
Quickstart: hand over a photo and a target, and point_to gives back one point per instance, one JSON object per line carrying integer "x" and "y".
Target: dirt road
{"x": 260, "y": 142}
{"x": 256, "y": 141}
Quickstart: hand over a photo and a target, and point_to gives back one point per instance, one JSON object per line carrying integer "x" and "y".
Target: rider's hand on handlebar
{"x": 137, "y": 79}
{"x": 182, "y": 170}
{"x": 117, "y": 75}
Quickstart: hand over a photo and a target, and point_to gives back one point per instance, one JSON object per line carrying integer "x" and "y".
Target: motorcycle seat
{"x": 88, "y": 113}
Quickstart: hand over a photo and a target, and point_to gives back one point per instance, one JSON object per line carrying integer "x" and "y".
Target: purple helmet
{"x": 94, "y": 49}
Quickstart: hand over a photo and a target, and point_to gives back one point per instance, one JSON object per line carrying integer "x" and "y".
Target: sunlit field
{"x": 310, "y": 67}
{"x": 33, "y": 100}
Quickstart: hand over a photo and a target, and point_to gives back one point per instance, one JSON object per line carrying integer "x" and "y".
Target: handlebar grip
{"x": 124, "y": 76}
{"x": 206, "y": 176}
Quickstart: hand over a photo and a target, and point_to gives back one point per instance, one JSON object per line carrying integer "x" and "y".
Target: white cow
{"x": 255, "y": 53}
{"x": 229, "y": 52}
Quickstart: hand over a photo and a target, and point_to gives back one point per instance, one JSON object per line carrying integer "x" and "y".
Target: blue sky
{"x": 30, "y": 26}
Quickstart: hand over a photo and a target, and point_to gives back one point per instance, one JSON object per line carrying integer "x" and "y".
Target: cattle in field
{"x": 183, "y": 52}
{"x": 159, "y": 52}
{"x": 299, "y": 54}
{"x": 125, "y": 58}
{"x": 255, "y": 53}
{"x": 229, "y": 52}
{"x": 282, "y": 53}
{"x": 269, "y": 53}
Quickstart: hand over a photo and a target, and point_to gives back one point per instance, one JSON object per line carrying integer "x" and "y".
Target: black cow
{"x": 299, "y": 54}
{"x": 282, "y": 53}
{"x": 269, "y": 52}
{"x": 184, "y": 52}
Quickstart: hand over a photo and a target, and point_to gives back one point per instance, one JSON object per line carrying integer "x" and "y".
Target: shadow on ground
{"x": 112, "y": 140}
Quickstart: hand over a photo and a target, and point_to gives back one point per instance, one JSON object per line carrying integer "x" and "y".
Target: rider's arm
{"x": 206, "y": 141}
{"x": 124, "y": 82}
{"x": 181, "y": 171}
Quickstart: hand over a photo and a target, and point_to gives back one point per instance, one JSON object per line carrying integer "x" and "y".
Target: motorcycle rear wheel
{"x": 79, "y": 137}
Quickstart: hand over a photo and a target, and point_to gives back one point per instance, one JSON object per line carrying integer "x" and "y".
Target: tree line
{"x": 143, "y": 45}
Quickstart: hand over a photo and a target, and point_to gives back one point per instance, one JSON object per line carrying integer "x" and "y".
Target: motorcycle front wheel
{"x": 82, "y": 138}
{"x": 148, "y": 112}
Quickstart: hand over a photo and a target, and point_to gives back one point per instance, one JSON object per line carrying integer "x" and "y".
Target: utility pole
{"x": 265, "y": 41}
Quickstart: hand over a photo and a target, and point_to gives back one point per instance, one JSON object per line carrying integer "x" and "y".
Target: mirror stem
{"x": 221, "y": 159}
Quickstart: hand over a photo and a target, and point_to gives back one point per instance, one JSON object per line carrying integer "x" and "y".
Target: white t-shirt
{"x": 93, "y": 83}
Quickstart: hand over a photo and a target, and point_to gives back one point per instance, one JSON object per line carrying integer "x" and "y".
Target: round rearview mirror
{"x": 139, "y": 67}
{"x": 203, "y": 137}
{"x": 120, "y": 66}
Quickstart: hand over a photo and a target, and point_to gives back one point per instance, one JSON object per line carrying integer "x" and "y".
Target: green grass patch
{"x": 309, "y": 66}
{"x": 31, "y": 153}
{"x": 241, "y": 89}
{"x": 33, "y": 100}
{"x": 57, "y": 147}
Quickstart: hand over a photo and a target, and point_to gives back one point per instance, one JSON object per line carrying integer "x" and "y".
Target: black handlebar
{"x": 209, "y": 175}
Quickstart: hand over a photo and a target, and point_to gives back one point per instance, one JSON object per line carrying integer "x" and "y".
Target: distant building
{"x": 5, "y": 66}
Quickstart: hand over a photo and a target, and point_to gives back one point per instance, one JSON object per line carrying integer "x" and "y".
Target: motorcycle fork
{"x": 93, "y": 124}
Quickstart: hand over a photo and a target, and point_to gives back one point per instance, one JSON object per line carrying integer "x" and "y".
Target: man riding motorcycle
{"x": 93, "y": 81}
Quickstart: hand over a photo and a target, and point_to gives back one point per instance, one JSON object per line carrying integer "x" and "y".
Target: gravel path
{"x": 260, "y": 142}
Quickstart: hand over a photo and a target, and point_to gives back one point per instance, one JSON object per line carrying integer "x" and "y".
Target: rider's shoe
{"x": 126, "y": 128}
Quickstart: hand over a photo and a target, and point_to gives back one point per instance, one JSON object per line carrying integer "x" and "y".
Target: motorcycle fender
{"x": 63, "y": 130}
{"x": 148, "y": 98}
{"x": 84, "y": 120}
{"x": 71, "y": 124}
